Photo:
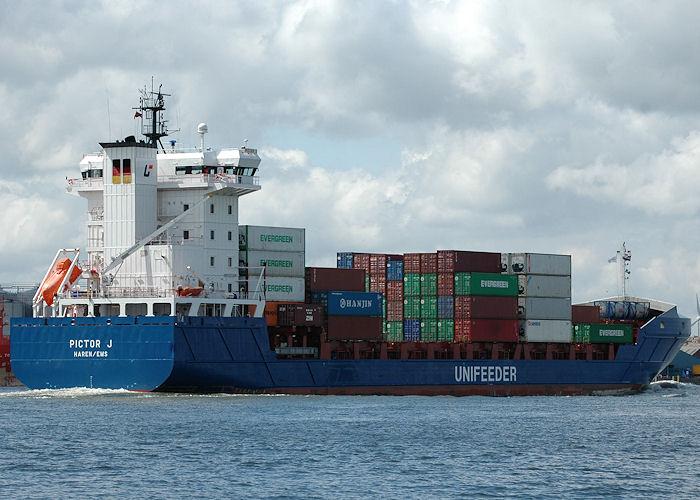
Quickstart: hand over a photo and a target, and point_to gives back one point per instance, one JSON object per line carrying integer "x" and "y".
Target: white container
{"x": 290, "y": 264}
{"x": 544, "y": 308}
{"x": 540, "y": 263}
{"x": 544, "y": 330}
{"x": 275, "y": 239}
{"x": 542, "y": 285}
{"x": 280, "y": 289}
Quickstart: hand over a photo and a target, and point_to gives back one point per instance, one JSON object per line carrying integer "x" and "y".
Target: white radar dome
{"x": 202, "y": 128}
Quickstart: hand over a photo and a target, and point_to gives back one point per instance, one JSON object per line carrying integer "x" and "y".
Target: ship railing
{"x": 171, "y": 239}
{"x": 90, "y": 182}
{"x": 197, "y": 179}
{"x": 152, "y": 292}
{"x": 244, "y": 151}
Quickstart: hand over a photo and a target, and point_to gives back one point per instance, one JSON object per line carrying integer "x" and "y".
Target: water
{"x": 82, "y": 442}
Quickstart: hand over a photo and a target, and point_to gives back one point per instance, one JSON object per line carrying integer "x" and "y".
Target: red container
{"x": 271, "y": 312}
{"x": 585, "y": 314}
{"x": 354, "y": 328}
{"x": 462, "y": 327}
{"x": 361, "y": 261}
{"x": 394, "y": 256}
{"x": 486, "y": 307}
{"x": 377, "y": 283}
{"x": 300, "y": 314}
{"x": 377, "y": 264}
{"x": 493, "y": 330}
{"x": 411, "y": 263}
{"x": 477, "y": 262}
{"x": 445, "y": 284}
{"x": 428, "y": 263}
{"x": 445, "y": 261}
{"x": 332, "y": 278}
{"x": 394, "y": 311}
{"x": 394, "y": 290}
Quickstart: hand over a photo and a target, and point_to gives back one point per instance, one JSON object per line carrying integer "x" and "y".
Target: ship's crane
{"x": 119, "y": 259}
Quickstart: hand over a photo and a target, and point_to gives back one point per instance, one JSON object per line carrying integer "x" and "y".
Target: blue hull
{"x": 205, "y": 354}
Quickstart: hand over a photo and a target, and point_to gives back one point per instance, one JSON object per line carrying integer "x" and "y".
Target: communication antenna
{"x": 623, "y": 258}
{"x": 150, "y": 110}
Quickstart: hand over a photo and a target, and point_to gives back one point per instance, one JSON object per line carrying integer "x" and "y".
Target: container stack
{"x": 485, "y": 300}
{"x": 279, "y": 251}
{"x": 411, "y": 297}
{"x": 544, "y": 296}
{"x": 394, "y": 299}
{"x": 428, "y": 297}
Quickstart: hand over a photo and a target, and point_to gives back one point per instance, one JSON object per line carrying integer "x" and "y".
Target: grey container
{"x": 544, "y": 308}
{"x": 276, "y": 239}
{"x": 542, "y": 285}
{"x": 279, "y": 289}
{"x": 545, "y": 330}
{"x": 289, "y": 264}
{"x": 540, "y": 263}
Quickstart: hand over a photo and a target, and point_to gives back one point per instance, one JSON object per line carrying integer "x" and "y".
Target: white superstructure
{"x": 162, "y": 228}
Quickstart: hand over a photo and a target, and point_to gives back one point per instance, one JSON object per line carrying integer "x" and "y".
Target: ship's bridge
{"x": 228, "y": 171}
{"x": 231, "y": 171}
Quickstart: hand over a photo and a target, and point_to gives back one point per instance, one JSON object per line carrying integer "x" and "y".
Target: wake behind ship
{"x": 172, "y": 294}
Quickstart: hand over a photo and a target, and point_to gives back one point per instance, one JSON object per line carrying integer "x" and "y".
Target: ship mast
{"x": 624, "y": 257}
{"x": 150, "y": 110}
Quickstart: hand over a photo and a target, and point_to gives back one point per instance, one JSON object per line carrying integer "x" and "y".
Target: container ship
{"x": 172, "y": 294}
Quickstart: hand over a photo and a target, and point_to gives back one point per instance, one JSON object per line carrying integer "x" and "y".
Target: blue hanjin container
{"x": 411, "y": 329}
{"x": 355, "y": 304}
{"x": 394, "y": 270}
{"x": 345, "y": 260}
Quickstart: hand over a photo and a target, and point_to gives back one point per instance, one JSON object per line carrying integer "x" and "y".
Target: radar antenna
{"x": 150, "y": 110}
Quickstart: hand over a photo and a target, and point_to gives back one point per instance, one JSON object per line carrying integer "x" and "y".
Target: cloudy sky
{"x": 384, "y": 126}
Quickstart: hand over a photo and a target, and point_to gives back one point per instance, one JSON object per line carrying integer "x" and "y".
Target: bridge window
{"x": 116, "y": 172}
{"x": 127, "y": 171}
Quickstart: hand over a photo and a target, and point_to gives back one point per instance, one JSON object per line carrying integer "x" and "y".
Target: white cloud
{"x": 666, "y": 183}
{"x": 387, "y": 126}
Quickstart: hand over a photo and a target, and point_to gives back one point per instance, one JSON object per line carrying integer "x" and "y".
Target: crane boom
{"x": 119, "y": 259}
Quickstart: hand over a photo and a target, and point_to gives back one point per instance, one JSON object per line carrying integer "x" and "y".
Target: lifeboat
{"x": 190, "y": 291}
{"x": 53, "y": 281}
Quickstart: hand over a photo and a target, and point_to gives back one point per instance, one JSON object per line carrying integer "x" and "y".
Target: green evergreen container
{"x": 428, "y": 284}
{"x": 411, "y": 285}
{"x": 411, "y": 308}
{"x": 394, "y": 331}
{"x": 446, "y": 329}
{"x": 428, "y": 330}
{"x": 366, "y": 282}
{"x": 595, "y": 333}
{"x": 605, "y": 334}
{"x": 493, "y": 284}
{"x": 428, "y": 307}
